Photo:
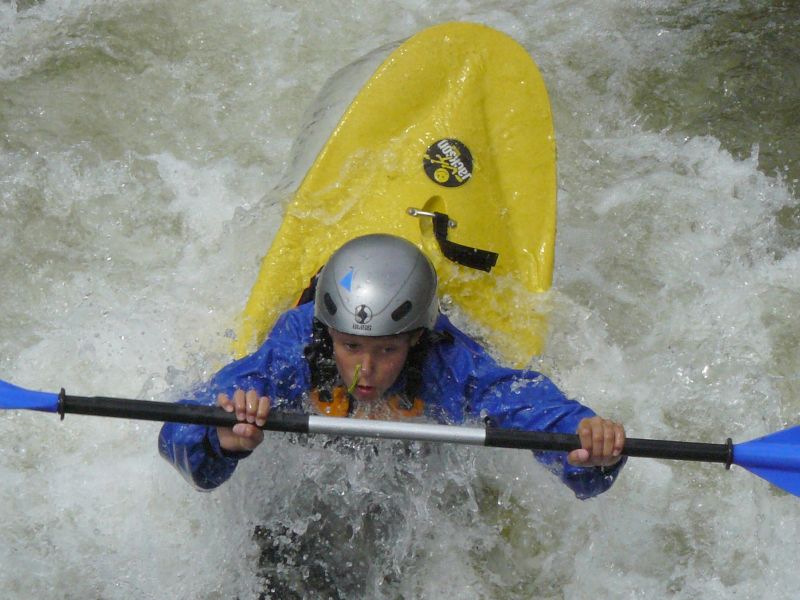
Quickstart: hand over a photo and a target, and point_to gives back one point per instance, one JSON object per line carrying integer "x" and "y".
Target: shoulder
{"x": 296, "y": 323}
{"x": 453, "y": 356}
{"x": 279, "y": 363}
{"x": 459, "y": 355}
{"x": 450, "y": 340}
{"x": 284, "y": 345}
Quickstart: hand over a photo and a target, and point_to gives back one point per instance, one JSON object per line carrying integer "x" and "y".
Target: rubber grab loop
{"x": 474, "y": 258}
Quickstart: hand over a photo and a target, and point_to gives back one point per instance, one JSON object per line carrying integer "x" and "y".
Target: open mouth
{"x": 365, "y": 390}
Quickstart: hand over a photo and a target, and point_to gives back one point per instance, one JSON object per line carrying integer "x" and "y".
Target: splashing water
{"x": 146, "y": 153}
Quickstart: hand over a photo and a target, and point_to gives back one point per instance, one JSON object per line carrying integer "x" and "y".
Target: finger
{"x": 598, "y": 439}
{"x": 225, "y": 402}
{"x": 609, "y": 438}
{"x": 619, "y": 440}
{"x": 248, "y": 436}
{"x": 585, "y": 434}
{"x": 251, "y": 404}
{"x": 263, "y": 411}
{"x": 578, "y": 457}
{"x": 239, "y": 402}
{"x": 245, "y": 430}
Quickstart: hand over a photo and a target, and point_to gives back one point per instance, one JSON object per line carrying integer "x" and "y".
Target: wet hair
{"x": 319, "y": 355}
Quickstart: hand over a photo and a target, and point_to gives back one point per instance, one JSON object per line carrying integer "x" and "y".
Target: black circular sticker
{"x": 448, "y": 162}
{"x": 363, "y": 314}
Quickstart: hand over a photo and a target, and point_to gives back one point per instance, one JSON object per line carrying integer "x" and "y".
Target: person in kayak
{"x": 368, "y": 341}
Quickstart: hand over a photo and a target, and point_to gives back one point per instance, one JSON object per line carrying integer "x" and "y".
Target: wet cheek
{"x": 341, "y": 366}
{"x": 393, "y": 370}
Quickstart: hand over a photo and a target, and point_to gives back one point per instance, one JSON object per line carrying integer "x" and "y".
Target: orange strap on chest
{"x": 415, "y": 410}
{"x": 339, "y": 405}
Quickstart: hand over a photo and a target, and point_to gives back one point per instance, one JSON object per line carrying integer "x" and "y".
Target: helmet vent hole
{"x": 402, "y": 310}
{"x": 330, "y": 305}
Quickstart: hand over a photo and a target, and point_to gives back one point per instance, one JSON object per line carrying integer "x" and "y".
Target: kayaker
{"x": 369, "y": 341}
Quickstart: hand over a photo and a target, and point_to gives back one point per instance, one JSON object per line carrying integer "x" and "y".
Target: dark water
{"x": 740, "y": 85}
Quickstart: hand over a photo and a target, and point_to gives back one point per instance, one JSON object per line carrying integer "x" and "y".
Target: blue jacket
{"x": 461, "y": 382}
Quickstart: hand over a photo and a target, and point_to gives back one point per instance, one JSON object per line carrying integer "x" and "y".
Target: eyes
{"x": 356, "y": 347}
{"x": 353, "y": 345}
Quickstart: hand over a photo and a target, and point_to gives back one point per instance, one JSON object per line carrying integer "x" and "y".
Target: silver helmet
{"x": 377, "y": 285}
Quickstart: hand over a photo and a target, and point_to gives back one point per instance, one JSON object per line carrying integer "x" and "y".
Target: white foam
{"x": 131, "y": 243}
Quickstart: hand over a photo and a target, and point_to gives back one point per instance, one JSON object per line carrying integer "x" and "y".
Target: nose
{"x": 367, "y": 363}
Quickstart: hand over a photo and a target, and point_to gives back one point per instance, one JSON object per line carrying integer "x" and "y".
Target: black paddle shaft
{"x": 171, "y": 412}
{"x": 298, "y": 423}
{"x": 506, "y": 438}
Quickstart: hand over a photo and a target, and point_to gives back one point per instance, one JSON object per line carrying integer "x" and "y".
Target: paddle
{"x": 775, "y": 457}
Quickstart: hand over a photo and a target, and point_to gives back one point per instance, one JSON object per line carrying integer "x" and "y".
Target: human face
{"x": 381, "y": 359}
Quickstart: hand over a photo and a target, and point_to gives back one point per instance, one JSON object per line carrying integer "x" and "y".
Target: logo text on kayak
{"x": 448, "y": 162}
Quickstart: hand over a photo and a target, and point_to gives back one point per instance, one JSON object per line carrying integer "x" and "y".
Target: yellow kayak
{"x": 452, "y": 135}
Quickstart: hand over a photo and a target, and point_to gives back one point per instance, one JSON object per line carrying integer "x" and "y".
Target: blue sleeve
{"x": 529, "y": 401}
{"x": 277, "y": 369}
{"x": 524, "y": 400}
{"x": 195, "y": 451}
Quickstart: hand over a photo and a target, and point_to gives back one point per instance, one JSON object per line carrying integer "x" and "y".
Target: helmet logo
{"x": 448, "y": 162}
{"x": 363, "y": 314}
{"x": 347, "y": 281}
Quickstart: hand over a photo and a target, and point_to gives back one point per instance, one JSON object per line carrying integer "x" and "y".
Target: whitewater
{"x": 147, "y": 151}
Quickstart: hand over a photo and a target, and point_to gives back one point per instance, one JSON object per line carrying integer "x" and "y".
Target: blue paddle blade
{"x": 17, "y": 398}
{"x": 775, "y": 457}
